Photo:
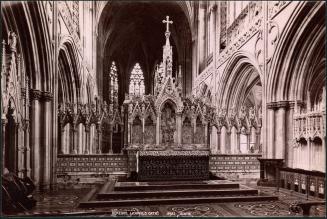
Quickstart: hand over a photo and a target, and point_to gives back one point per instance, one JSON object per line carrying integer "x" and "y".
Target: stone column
{"x": 212, "y": 27}
{"x": 110, "y": 138}
{"x": 63, "y": 137}
{"x": 223, "y": 140}
{"x": 122, "y": 137}
{"x": 71, "y": 139}
{"x": 281, "y": 131}
{"x": 27, "y": 148}
{"x": 47, "y": 97}
{"x": 35, "y": 135}
{"x": 21, "y": 150}
{"x": 218, "y": 141}
{"x": 158, "y": 130}
{"x": 228, "y": 140}
{"x": 201, "y": 33}
{"x": 248, "y": 139}
{"x": 87, "y": 139}
{"x": 179, "y": 127}
{"x": 210, "y": 138}
{"x": 143, "y": 129}
{"x": 74, "y": 136}
{"x": 310, "y": 146}
{"x": 271, "y": 131}
{"x": 99, "y": 145}
{"x": 323, "y": 154}
{"x": 206, "y": 134}
{"x": 257, "y": 140}
{"x": 238, "y": 142}
{"x": 3, "y": 132}
{"x": 129, "y": 134}
{"x": 194, "y": 129}
{"x": 289, "y": 136}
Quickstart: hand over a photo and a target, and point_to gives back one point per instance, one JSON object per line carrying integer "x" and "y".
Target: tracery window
{"x": 136, "y": 83}
{"x": 113, "y": 77}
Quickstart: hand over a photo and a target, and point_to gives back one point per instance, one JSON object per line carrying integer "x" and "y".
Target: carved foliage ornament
{"x": 12, "y": 79}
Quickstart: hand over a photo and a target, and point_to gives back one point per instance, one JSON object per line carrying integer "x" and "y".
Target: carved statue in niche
{"x": 199, "y": 137}
{"x": 168, "y": 124}
{"x": 137, "y": 131}
{"x": 187, "y": 132}
{"x": 149, "y": 132}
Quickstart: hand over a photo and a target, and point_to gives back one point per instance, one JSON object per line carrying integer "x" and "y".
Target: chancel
{"x": 163, "y": 108}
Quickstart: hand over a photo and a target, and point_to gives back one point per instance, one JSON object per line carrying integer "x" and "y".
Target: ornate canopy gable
{"x": 169, "y": 92}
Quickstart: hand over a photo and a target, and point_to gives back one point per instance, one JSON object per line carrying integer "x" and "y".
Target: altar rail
{"x": 88, "y": 168}
{"x": 303, "y": 181}
{"x": 233, "y": 166}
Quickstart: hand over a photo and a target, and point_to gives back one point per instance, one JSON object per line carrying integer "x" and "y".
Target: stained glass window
{"x": 113, "y": 83}
{"x": 136, "y": 83}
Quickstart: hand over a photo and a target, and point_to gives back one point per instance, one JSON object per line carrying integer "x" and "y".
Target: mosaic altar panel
{"x": 173, "y": 167}
{"x": 235, "y": 165}
{"x": 91, "y": 163}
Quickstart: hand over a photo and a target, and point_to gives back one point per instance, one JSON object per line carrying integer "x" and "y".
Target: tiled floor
{"x": 65, "y": 202}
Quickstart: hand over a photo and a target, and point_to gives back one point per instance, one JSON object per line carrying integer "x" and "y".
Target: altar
{"x": 173, "y": 165}
{"x": 167, "y": 133}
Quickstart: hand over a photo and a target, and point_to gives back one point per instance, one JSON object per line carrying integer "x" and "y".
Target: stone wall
{"x": 234, "y": 166}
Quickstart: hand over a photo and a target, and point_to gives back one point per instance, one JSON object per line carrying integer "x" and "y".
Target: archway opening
{"x": 131, "y": 32}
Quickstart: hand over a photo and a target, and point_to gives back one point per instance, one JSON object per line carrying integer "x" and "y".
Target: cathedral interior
{"x": 163, "y": 108}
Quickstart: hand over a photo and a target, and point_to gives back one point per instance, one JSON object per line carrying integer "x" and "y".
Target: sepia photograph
{"x": 157, "y": 108}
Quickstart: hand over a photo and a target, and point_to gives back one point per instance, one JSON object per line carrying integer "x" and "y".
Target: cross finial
{"x": 167, "y": 21}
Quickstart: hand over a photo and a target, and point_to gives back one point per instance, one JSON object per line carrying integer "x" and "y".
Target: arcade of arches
{"x": 99, "y": 80}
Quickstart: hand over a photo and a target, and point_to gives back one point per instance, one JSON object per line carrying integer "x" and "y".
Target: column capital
{"x": 213, "y": 8}
{"x": 35, "y": 94}
{"x": 47, "y": 96}
{"x": 280, "y": 104}
{"x": 283, "y": 104}
{"x": 300, "y": 103}
{"x": 179, "y": 113}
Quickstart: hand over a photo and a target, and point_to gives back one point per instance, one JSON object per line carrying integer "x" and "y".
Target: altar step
{"x": 159, "y": 193}
{"x": 168, "y": 201}
{"x": 175, "y": 194}
{"x": 139, "y": 186}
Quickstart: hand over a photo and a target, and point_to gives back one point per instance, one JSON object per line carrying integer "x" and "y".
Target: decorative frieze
{"x": 274, "y": 7}
{"x": 246, "y": 117}
{"x": 67, "y": 18}
{"x": 242, "y": 29}
{"x": 97, "y": 113}
{"x": 209, "y": 70}
{"x": 309, "y": 125}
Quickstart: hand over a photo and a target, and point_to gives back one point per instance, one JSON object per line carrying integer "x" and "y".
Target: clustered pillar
{"x": 41, "y": 114}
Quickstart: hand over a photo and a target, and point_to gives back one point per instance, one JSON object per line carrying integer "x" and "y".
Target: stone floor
{"x": 65, "y": 202}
